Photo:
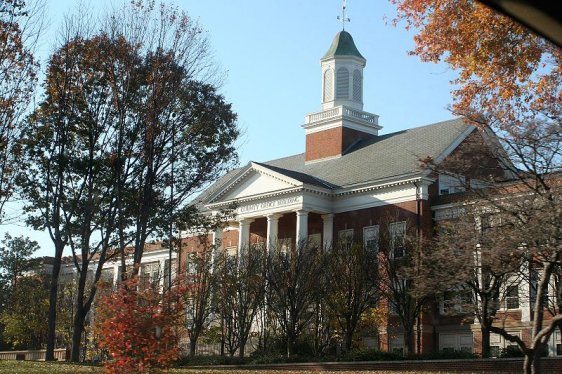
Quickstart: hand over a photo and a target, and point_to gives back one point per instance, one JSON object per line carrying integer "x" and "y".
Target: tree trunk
{"x": 418, "y": 334}
{"x": 485, "y": 343}
{"x": 78, "y": 329}
{"x": 290, "y": 342}
{"x": 409, "y": 340}
{"x": 348, "y": 340}
{"x": 532, "y": 362}
{"x": 242, "y": 349}
{"x": 192, "y": 346}
{"x": 53, "y": 293}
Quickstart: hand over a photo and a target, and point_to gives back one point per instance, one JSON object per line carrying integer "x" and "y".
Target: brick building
{"x": 354, "y": 182}
{"x": 348, "y": 182}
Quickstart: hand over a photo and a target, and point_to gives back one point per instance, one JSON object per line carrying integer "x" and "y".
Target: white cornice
{"x": 254, "y": 167}
{"x": 369, "y": 186}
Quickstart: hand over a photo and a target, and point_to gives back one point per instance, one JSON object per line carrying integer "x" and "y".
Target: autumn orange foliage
{"x": 505, "y": 71}
{"x": 138, "y": 328}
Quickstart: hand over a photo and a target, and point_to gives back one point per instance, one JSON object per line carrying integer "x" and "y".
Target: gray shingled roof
{"x": 385, "y": 157}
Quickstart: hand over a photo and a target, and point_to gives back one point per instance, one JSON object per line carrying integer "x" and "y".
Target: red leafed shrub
{"x": 138, "y": 327}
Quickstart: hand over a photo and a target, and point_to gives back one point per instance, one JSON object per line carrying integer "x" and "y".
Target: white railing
{"x": 325, "y": 114}
{"x": 342, "y": 111}
{"x": 364, "y": 116}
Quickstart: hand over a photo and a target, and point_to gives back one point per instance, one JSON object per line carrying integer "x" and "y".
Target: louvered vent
{"x": 328, "y": 85}
{"x": 342, "y": 84}
{"x": 357, "y": 86}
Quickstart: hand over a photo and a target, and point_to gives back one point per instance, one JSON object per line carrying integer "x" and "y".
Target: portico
{"x": 282, "y": 230}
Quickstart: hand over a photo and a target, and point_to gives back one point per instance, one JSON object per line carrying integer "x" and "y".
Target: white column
{"x": 243, "y": 234}
{"x": 116, "y": 275}
{"x": 327, "y": 230}
{"x": 524, "y": 291}
{"x": 272, "y": 230}
{"x": 302, "y": 227}
{"x": 161, "y": 272}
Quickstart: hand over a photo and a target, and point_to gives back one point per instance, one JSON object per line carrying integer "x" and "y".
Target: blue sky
{"x": 270, "y": 51}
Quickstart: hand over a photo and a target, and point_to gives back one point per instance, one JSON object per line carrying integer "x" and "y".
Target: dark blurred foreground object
{"x": 542, "y": 16}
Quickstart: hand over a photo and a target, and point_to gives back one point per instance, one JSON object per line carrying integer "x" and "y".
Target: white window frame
{"x": 152, "y": 270}
{"x": 345, "y": 237}
{"x": 396, "y": 345}
{"x": 231, "y": 251}
{"x": 450, "y": 184}
{"x": 456, "y": 342}
{"x": 507, "y": 299}
{"x": 315, "y": 239}
{"x": 371, "y": 233}
{"x": 395, "y": 228}
{"x": 498, "y": 342}
{"x": 457, "y": 304}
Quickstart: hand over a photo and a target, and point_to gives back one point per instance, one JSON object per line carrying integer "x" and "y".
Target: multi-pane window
{"x": 346, "y": 237}
{"x": 534, "y": 288}
{"x": 455, "y": 342}
{"x": 150, "y": 274}
{"x": 285, "y": 245}
{"x": 315, "y": 240}
{"x": 456, "y": 302}
{"x": 371, "y": 238}
{"x": 499, "y": 345}
{"x": 449, "y": 184}
{"x": 397, "y": 239}
{"x": 397, "y": 344}
{"x": 231, "y": 251}
{"x": 512, "y": 297}
{"x": 168, "y": 266}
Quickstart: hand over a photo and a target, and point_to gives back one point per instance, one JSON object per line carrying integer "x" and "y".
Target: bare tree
{"x": 200, "y": 285}
{"x": 519, "y": 187}
{"x": 351, "y": 271}
{"x": 399, "y": 269}
{"x": 294, "y": 281}
{"x": 474, "y": 261}
{"x": 241, "y": 295}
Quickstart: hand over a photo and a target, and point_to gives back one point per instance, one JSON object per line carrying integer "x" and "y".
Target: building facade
{"x": 353, "y": 181}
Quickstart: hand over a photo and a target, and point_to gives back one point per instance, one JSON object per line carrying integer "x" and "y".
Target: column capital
{"x": 301, "y": 212}
{"x": 327, "y": 216}
{"x": 245, "y": 221}
{"x": 274, "y": 216}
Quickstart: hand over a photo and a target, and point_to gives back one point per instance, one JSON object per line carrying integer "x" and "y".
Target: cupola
{"x": 342, "y": 73}
{"x": 342, "y": 122}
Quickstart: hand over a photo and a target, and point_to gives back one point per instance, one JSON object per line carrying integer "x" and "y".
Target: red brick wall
{"x": 382, "y": 216}
{"x": 331, "y": 142}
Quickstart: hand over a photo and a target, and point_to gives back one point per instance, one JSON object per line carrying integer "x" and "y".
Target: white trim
{"x": 455, "y": 144}
{"x": 254, "y": 167}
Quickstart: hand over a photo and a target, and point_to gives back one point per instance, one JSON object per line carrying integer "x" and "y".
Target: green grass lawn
{"x": 28, "y": 367}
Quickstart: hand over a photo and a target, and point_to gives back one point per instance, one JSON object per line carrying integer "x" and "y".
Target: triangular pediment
{"x": 254, "y": 180}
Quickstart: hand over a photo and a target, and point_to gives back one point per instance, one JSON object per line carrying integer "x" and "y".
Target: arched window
{"x": 342, "y": 84}
{"x": 328, "y": 85}
{"x": 357, "y": 85}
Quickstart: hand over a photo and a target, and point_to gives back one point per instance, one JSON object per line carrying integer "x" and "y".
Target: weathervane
{"x": 343, "y": 17}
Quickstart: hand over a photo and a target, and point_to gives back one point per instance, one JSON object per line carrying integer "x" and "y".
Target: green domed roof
{"x": 342, "y": 45}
